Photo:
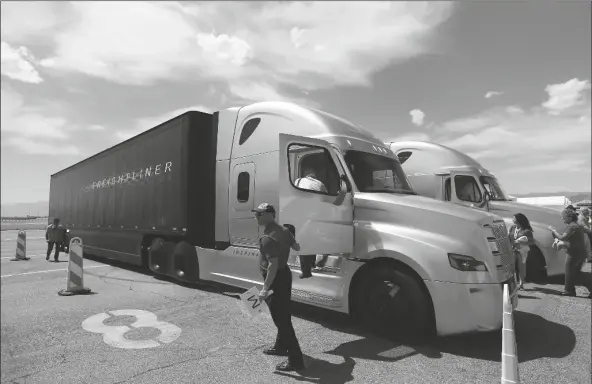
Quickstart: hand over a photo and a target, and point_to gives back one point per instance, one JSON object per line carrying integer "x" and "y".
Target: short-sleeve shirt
{"x": 577, "y": 242}
{"x": 275, "y": 243}
{"x": 516, "y": 233}
{"x": 55, "y": 234}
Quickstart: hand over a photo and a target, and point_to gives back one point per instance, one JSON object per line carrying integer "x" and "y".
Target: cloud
{"x": 564, "y": 96}
{"x": 35, "y": 147}
{"x": 96, "y": 127}
{"x": 147, "y": 123}
{"x": 491, "y": 94}
{"x": 514, "y": 140}
{"x": 216, "y": 41}
{"x": 417, "y": 116}
{"x": 16, "y": 64}
{"x": 27, "y": 121}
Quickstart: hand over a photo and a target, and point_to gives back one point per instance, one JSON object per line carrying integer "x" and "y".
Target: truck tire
{"x": 393, "y": 304}
{"x": 536, "y": 270}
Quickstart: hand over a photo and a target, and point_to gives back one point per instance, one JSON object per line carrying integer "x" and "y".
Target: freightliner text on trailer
{"x": 178, "y": 199}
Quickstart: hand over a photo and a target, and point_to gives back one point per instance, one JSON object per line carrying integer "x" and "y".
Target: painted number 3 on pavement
{"x": 114, "y": 335}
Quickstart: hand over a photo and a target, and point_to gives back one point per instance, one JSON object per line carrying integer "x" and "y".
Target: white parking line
{"x": 53, "y": 270}
{"x": 10, "y": 257}
{"x": 28, "y": 238}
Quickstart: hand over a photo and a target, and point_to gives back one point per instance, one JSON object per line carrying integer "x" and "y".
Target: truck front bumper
{"x": 466, "y": 308}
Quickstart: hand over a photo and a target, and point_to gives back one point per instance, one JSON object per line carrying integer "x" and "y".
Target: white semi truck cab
{"x": 446, "y": 174}
{"x": 394, "y": 259}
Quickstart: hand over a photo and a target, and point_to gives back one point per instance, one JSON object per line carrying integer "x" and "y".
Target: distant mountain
{"x": 40, "y": 208}
{"x": 573, "y": 196}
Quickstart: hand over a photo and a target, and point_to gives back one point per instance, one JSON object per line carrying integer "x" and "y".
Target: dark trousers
{"x": 307, "y": 262}
{"x": 573, "y": 273}
{"x": 50, "y": 245}
{"x": 279, "y": 304}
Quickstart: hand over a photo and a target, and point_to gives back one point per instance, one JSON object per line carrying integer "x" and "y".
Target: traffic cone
{"x": 75, "y": 283}
{"x": 509, "y": 349}
{"x": 21, "y": 247}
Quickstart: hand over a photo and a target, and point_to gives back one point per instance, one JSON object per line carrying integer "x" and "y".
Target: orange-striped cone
{"x": 75, "y": 283}
{"x": 21, "y": 247}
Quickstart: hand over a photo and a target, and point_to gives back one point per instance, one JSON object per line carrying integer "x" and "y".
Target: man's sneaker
{"x": 47, "y": 257}
{"x": 305, "y": 276}
{"x": 275, "y": 352}
{"x": 288, "y": 366}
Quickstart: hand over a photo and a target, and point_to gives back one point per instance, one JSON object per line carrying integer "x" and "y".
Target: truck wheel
{"x": 536, "y": 270}
{"x": 393, "y": 304}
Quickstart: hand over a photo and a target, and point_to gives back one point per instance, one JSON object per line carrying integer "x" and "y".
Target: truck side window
{"x": 467, "y": 189}
{"x": 312, "y": 169}
{"x": 242, "y": 187}
{"x": 248, "y": 130}
{"x": 403, "y": 156}
{"x": 447, "y": 189}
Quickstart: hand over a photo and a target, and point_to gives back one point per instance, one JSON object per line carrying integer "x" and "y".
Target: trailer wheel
{"x": 536, "y": 269}
{"x": 393, "y": 304}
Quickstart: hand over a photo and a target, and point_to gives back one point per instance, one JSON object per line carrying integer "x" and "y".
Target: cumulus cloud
{"x": 33, "y": 129}
{"x": 491, "y": 94}
{"x": 179, "y": 41}
{"x": 16, "y": 64}
{"x": 565, "y": 96}
{"x": 417, "y": 116}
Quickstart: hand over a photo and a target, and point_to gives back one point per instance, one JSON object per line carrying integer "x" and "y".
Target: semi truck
{"x": 446, "y": 174}
{"x": 178, "y": 199}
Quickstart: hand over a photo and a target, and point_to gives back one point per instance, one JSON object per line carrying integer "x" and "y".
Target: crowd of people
{"x": 576, "y": 240}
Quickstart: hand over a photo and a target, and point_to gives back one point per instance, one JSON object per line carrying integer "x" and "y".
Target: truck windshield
{"x": 375, "y": 173}
{"x": 494, "y": 188}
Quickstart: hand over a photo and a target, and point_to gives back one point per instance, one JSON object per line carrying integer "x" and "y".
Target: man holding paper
{"x": 274, "y": 247}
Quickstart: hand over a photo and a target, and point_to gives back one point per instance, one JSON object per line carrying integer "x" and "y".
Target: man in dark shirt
{"x": 274, "y": 248}
{"x": 577, "y": 251}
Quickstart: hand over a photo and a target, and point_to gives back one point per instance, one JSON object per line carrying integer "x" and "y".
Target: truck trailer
{"x": 446, "y": 174}
{"x": 178, "y": 199}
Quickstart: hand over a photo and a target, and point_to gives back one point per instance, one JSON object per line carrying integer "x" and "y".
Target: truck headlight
{"x": 465, "y": 263}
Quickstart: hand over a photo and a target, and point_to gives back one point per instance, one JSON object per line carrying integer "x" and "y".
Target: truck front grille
{"x": 506, "y": 256}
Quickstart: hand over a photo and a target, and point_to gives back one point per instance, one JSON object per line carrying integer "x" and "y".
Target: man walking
{"x": 274, "y": 247}
{"x": 54, "y": 234}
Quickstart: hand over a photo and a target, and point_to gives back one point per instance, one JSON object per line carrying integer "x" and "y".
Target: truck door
{"x": 319, "y": 208}
{"x": 466, "y": 190}
{"x": 244, "y": 230}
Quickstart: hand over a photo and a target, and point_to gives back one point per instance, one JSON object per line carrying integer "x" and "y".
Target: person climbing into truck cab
{"x": 274, "y": 248}
{"x": 521, "y": 238}
{"x": 54, "y": 235}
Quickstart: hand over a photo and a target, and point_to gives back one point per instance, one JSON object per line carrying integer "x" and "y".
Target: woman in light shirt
{"x": 521, "y": 238}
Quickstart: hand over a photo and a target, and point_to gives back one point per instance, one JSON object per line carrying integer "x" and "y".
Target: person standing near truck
{"x": 585, "y": 222}
{"x": 54, "y": 235}
{"x": 274, "y": 247}
{"x": 576, "y": 253}
{"x": 521, "y": 237}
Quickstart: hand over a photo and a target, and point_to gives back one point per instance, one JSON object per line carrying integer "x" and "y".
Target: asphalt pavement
{"x": 200, "y": 334}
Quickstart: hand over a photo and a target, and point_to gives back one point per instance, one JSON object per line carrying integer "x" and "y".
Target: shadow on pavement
{"x": 323, "y": 372}
{"x": 531, "y": 346}
{"x": 484, "y": 346}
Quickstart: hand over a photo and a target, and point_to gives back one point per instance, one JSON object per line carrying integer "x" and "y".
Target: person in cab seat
{"x": 310, "y": 181}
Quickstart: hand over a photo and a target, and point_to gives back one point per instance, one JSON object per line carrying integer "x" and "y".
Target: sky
{"x": 505, "y": 82}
